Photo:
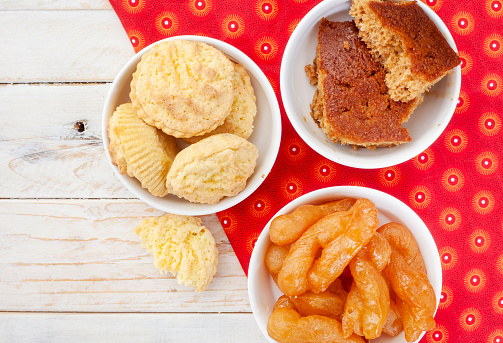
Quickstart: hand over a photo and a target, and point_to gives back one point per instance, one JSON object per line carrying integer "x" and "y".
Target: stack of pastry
{"x": 190, "y": 91}
{"x": 344, "y": 278}
{"x": 371, "y": 73}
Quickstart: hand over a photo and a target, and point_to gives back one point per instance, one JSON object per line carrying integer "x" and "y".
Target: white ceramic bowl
{"x": 266, "y": 135}
{"x": 262, "y": 290}
{"x": 425, "y": 125}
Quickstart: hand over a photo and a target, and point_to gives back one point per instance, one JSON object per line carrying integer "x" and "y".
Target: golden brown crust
{"x": 430, "y": 54}
{"x": 355, "y": 105}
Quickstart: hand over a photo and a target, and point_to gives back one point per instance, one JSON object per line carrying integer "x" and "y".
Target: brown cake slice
{"x": 412, "y": 49}
{"x": 351, "y": 103}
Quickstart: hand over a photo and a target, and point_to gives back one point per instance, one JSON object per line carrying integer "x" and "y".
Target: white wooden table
{"x": 71, "y": 268}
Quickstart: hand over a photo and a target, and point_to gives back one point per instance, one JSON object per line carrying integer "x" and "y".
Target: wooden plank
{"x": 62, "y": 328}
{"x": 86, "y": 45}
{"x": 83, "y": 256}
{"x": 43, "y": 154}
{"x": 37, "y": 5}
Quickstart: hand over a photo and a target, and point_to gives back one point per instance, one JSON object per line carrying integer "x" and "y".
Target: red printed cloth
{"x": 455, "y": 185}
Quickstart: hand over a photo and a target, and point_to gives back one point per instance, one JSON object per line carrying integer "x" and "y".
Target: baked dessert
{"x": 140, "y": 150}
{"x": 352, "y": 104}
{"x": 182, "y": 246}
{"x": 183, "y": 87}
{"x": 412, "y": 49}
{"x": 243, "y": 110}
{"x": 213, "y": 168}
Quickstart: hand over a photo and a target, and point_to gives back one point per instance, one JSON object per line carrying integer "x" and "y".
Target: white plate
{"x": 262, "y": 290}
{"x": 425, "y": 125}
{"x": 266, "y": 134}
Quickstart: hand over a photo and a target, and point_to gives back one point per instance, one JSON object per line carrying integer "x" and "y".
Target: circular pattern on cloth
{"x": 497, "y": 302}
{"x": 324, "y": 171}
{"x": 453, "y": 180}
{"x": 200, "y": 8}
{"x": 390, "y": 176}
{"x": 435, "y": 5}
{"x": 266, "y": 9}
{"x": 166, "y": 23}
{"x": 450, "y": 219}
{"x": 470, "y": 319}
{"x": 424, "y": 160}
{"x": 463, "y": 103}
{"x": 137, "y": 39}
{"x": 446, "y": 297}
{"x": 133, "y": 6}
{"x": 260, "y": 205}
{"x": 489, "y": 124}
{"x": 448, "y": 257}
{"x": 463, "y": 23}
{"x": 494, "y": 8}
{"x": 420, "y": 197}
{"x": 229, "y": 221}
{"x": 486, "y": 163}
{"x": 493, "y": 45}
{"x": 466, "y": 62}
{"x": 233, "y": 26}
{"x": 456, "y": 140}
{"x": 483, "y": 202}
{"x": 491, "y": 84}
{"x": 438, "y": 335}
{"x": 266, "y": 48}
{"x": 479, "y": 241}
{"x": 475, "y": 280}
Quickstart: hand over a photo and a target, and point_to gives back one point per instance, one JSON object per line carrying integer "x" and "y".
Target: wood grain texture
{"x": 83, "y": 256}
{"x": 62, "y": 46}
{"x": 151, "y": 328}
{"x": 37, "y": 5}
{"x": 42, "y": 152}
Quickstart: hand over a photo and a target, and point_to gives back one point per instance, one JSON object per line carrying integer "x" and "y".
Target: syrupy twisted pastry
{"x": 329, "y": 303}
{"x": 368, "y": 308}
{"x": 287, "y": 228}
{"x": 286, "y": 325}
{"x": 406, "y": 272}
{"x": 341, "y": 235}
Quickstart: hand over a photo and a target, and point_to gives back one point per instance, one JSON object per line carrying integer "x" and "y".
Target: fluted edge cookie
{"x": 140, "y": 150}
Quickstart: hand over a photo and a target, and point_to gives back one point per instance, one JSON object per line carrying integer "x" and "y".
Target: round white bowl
{"x": 266, "y": 134}
{"x": 262, "y": 290}
{"x": 425, "y": 125}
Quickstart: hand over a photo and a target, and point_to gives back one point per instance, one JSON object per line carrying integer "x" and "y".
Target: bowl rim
{"x": 256, "y": 262}
{"x": 314, "y": 15}
{"x": 269, "y": 157}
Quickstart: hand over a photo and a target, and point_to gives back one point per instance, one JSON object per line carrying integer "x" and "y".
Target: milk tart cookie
{"x": 140, "y": 150}
{"x": 243, "y": 110}
{"x": 213, "y": 168}
{"x": 184, "y": 88}
{"x": 412, "y": 49}
{"x": 182, "y": 246}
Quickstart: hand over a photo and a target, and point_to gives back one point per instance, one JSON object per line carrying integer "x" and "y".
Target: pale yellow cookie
{"x": 140, "y": 150}
{"x": 184, "y": 88}
{"x": 213, "y": 168}
{"x": 182, "y": 246}
{"x": 243, "y": 110}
